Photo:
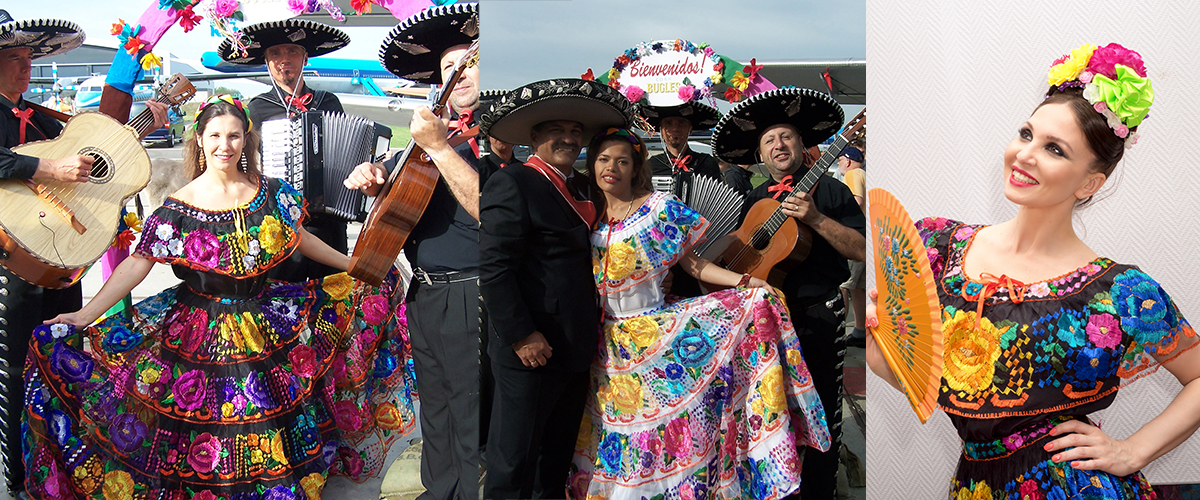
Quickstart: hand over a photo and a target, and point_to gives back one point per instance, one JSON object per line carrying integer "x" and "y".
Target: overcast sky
{"x": 529, "y": 40}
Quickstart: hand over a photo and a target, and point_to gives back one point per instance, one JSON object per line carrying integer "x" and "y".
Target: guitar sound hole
{"x": 102, "y": 167}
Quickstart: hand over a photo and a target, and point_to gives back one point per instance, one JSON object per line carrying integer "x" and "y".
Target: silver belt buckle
{"x": 423, "y": 276}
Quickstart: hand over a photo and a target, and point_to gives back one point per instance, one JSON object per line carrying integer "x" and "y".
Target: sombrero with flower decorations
{"x": 413, "y": 50}
{"x": 816, "y": 115}
{"x": 316, "y": 38}
{"x": 700, "y": 115}
{"x": 45, "y": 37}
{"x": 513, "y": 115}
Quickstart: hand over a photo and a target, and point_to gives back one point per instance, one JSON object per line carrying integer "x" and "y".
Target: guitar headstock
{"x": 177, "y": 90}
{"x": 856, "y": 127}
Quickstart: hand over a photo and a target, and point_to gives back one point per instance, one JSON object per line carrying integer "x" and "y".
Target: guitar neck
{"x": 804, "y": 185}
{"x": 142, "y": 122}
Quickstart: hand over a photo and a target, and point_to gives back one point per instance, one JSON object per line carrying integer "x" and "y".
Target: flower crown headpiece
{"x": 225, "y": 98}
{"x": 627, "y": 134}
{"x": 1113, "y": 79}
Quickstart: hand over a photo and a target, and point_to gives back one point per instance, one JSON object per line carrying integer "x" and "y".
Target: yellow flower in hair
{"x": 620, "y": 261}
{"x": 270, "y": 235}
{"x": 1068, "y": 69}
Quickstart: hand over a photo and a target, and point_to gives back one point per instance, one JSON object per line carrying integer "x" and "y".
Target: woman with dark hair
{"x": 1040, "y": 331}
{"x": 229, "y": 385}
{"x": 704, "y": 394}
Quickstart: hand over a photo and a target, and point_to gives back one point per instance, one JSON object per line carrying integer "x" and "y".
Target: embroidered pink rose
{"x": 204, "y": 453}
{"x": 375, "y": 309}
{"x": 1029, "y": 489}
{"x": 189, "y": 390}
{"x": 679, "y": 437}
{"x": 964, "y": 233}
{"x": 304, "y": 361}
{"x": 205, "y": 495}
{"x": 352, "y": 462}
{"x": 1104, "y": 330}
{"x": 348, "y": 416}
{"x": 202, "y": 247}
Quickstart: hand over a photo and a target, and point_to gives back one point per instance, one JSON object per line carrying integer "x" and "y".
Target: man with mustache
{"x": 536, "y": 280}
{"x": 443, "y": 305}
{"x": 285, "y": 46}
{"x": 779, "y": 136}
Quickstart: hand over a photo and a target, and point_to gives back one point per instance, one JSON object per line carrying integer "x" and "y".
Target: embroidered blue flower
{"x": 693, "y": 348}
{"x": 973, "y": 288}
{"x": 680, "y": 214}
{"x": 674, "y": 371}
{"x": 1071, "y": 328}
{"x": 121, "y": 339}
{"x": 1143, "y": 306}
{"x": 1092, "y": 364}
{"x": 610, "y": 452}
{"x": 385, "y": 364}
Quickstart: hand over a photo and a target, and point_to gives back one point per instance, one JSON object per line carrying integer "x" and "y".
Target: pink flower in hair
{"x": 1122, "y": 131}
{"x": 1105, "y": 58}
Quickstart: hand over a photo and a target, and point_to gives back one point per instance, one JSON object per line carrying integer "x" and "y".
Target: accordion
{"x": 316, "y": 150}
{"x": 714, "y": 200}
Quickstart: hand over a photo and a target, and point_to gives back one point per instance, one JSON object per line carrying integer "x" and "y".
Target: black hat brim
{"x": 413, "y": 49}
{"x": 595, "y": 106}
{"x": 700, "y": 115}
{"x": 815, "y": 115}
{"x": 44, "y": 37}
{"x": 316, "y": 38}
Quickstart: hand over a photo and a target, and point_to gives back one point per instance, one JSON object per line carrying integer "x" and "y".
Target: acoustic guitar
{"x": 51, "y": 232}
{"x": 767, "y": 237}
{"x": 404, "y": 196}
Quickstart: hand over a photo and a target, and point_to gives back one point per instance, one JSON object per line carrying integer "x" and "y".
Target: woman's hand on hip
{"x": 1092, "y": 449}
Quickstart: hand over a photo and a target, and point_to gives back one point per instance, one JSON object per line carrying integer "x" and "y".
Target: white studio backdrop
{"x": 950, "y": 82}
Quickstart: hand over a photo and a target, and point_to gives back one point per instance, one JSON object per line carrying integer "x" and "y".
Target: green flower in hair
{"x": 1129, "y": 96}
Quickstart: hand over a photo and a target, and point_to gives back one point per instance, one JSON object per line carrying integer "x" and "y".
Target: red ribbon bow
{"x": 784, "y": 187}
{"x": 681, "y": 163}
{"x": 1016, "y": 292}
{"x": 24, "y": 115}
{"x": 301, "y": 103}
{"x": 462, "y": 124}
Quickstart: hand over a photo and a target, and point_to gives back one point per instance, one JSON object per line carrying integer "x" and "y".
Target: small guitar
{"x": 399, "y": 206}
{"x": 767, "y": 237}
{"x": 52, "y": 232}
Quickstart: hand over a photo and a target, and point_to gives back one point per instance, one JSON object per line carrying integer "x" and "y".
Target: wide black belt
{"x": 446, "y": 277}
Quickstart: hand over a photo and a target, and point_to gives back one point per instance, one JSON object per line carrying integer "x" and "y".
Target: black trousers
{"x": 22, "y": 308}
{"x": 535, "y": 422}
{"x": 443, "y": 323}
{"x": 297, "y": 267}
{"x": 824, "y": 347}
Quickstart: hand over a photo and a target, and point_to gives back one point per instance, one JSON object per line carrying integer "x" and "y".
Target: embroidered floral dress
{"x": 227, "y": 386}
{"x": 703, "y": 398}
{"x": 1041, "y": 354}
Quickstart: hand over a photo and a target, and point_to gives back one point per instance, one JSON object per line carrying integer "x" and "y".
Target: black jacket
{"x": 536, "y": 270}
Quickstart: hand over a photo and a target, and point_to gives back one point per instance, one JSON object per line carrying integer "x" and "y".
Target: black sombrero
{"x": 316, "y": 38}
{"x": 701, "y": 116}
{"x": 815, "y": 115}
{"x": 597, "y": 106}
{"x": 45, "y": 37}
{"x": 413, "y": 50}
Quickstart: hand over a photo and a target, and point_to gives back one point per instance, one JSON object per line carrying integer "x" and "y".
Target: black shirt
{"x": 490, "y": 164}
{"x": 446, "y": 238}
{"x": 697, "y": 163}
{"x": 42, "y": 127}
{"x": 820, "y": 274}
{"x": 738, "y": 178}
{"x": 269, "y": 106}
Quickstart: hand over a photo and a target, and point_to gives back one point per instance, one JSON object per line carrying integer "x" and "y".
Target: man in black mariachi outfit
{"x": 778, "y": 126}
{"x": 23, "y": 306}
{"x": 285, "y": 46}
{"x": 443, "y": 305}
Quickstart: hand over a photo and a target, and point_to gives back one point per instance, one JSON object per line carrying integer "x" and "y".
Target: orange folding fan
{"x": 910, "y": 324}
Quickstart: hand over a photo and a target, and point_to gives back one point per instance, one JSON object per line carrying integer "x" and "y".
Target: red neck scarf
{"x": 680, "y": 163}
{"x": 584, "y": 209}
{"x": 462, "y": 125}
{"x": 24, "y": 115}
{"x": 783, "y": 188}
{"x": 300, "y": 103}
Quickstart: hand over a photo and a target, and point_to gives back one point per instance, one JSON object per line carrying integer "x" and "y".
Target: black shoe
{"x": 857, "y": 338}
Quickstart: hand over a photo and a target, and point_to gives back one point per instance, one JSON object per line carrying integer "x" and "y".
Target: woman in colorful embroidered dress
{"x": 1039, "y": 330}
{"x": 228, "y": 386}
{"x": 705, "y": 397}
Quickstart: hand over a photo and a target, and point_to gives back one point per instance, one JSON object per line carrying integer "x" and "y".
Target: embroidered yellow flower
{"x": 230, "y": 331}
{"x": 270, "y": 235}
{"x": 620, "y": 260}
{"x": 118, "y": 485}
{"x": 151, "y": 375}
{"x": 794, "y": 357}
{"x": 981, "y": 491}
{"x": 313, "y": 484}
{"x": 1069, "y": 69}
{"x": 338, "y": 286}
{"x": 227, "y": 409}
{"x": 618, "y": 337}
{"x": 257, "y": 457}
{"x": 277, "y": 449}
{"x": 253, "y": 337}
{"x": 626, "y": 393}
{"x": 595, "y": 267}
{"x": 771, "y": 390}
{"x": 643, "y": 331}
{"x": 970, "y": 353}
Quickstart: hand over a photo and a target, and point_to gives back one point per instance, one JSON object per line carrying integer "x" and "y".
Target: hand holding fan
{"x": 910, "y": 317}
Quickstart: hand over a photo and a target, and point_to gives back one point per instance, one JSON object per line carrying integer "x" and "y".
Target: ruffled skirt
{"x": 193, "y": 396}
{"x": 705, "y": 398}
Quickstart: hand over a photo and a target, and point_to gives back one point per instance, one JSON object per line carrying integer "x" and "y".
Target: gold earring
{"x": 202, "y": 163}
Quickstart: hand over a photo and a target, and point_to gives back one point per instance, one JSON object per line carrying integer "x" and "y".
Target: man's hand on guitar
{"x": 69, "y": 169}
{"x": 801, "y": 207}
{"x": 428, "y": 130}
{"x": 533, "y": 350}
{"x": 369, "y": 177}
{"x": 159, "y": 110}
